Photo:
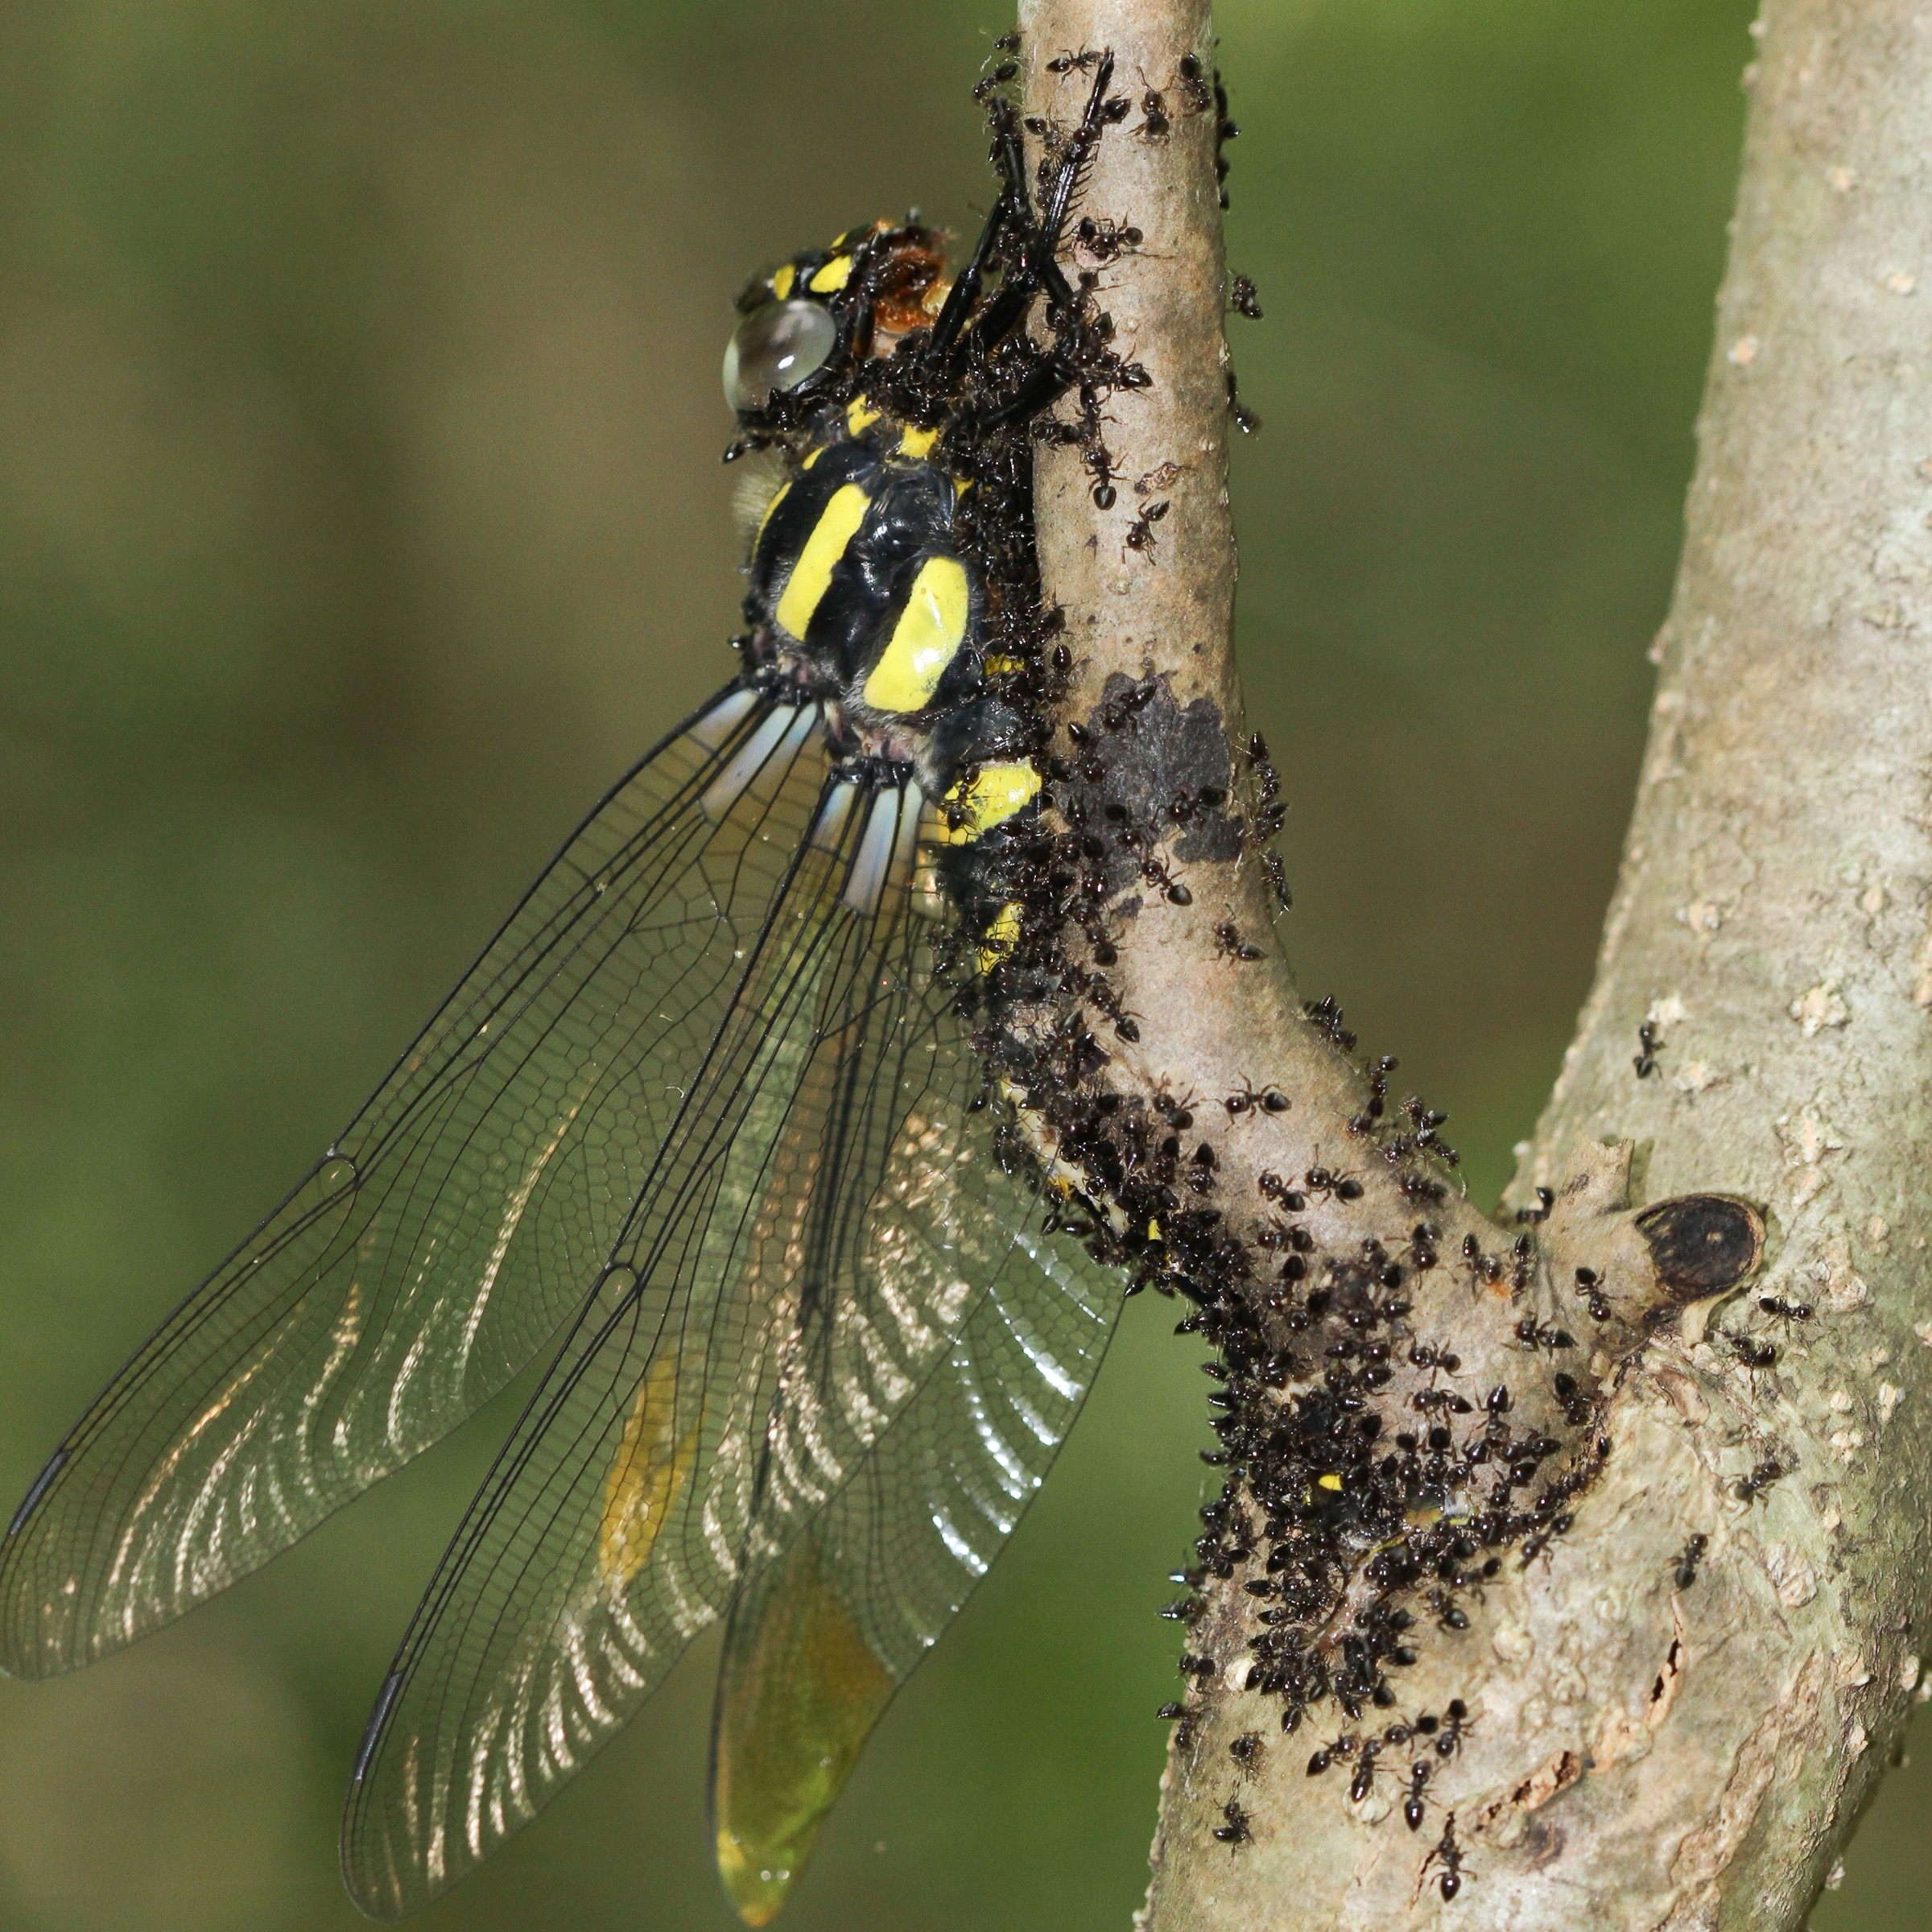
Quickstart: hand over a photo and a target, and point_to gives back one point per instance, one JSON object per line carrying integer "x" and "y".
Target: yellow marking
{"x": 782, "y": 282}
{"x": 995, "y": 794}
{"x": 860, "y": 414}
{"x": 916, "y": 443}
{"x": 833, "y": 277}
{"x": 799, "y": 1692}
{"x": 1153, "y": 1231}
{"x": 813, "y": 457}
{"x": 935, "y": 298}
{"x": 783, "y": 489}
{"x": 928, "y": 633}
{"x": 1328, "y": 1482}
{"x": 960, "y": 488}
{"x": 649, "y": 1468}
{"x": 812, "y": 572}
{"x": 999, "y": 664}
{"x": 1001, "y": 937}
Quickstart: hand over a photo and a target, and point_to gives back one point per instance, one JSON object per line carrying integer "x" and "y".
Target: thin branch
{"x": 1652, "y": 1728}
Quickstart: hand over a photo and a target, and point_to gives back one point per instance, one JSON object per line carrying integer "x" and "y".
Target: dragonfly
{"x": 717, "y": 1122}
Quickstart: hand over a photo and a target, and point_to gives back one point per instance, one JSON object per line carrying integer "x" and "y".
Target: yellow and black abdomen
{"x": 856, "y": 570}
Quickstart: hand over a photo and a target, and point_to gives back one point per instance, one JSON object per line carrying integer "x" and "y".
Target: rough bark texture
{"x": 1642, "y": 1750}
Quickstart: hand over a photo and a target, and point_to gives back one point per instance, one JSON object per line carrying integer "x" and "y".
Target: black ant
{"x": 1245, "y": 1748}
{"x": 1270, "y": 1100}
{"x": 1068, "y": 63}
{"x": 1534, "y": 1335}
{"x": 1482, "y": 1267}
{"x": 1155, "y": 125}
{"x": 1755, "y": 1355}
{"x": 1364, "y": 1780}
{"x": 1786, "y": 1312}
{"x": 1545, "y": 1201}
{"x": 1434, "y": 1358}
{"x": 1229, "y": 944}
{"x": 1245, "y": 419}
{"x": 1140, "y": 532}
{"x": 1343, "y": 1747}
{"x": 1234, "y": 1831}
{"x": 1449, "y": 1855}
{"x": 1325, "y": 1181}
{"x": 1154, "y": 871}
{"x": 1647, "y": 1043}
{"x": 1102, "y": 240}
{"x": 1750, "y": 1487}
{"x": 1245, "y": 299}
{"x": 1412, "y": 1804}
{"x": 1591, "y": 1289}
{"x": 1686, "y": 1564}
{"x": 1448, "y": 1729}
{"x": 1278, "y": 879}
{"x": 1193, "y": 86}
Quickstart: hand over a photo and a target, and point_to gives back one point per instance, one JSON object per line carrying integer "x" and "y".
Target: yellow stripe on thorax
{"x": 833, "y": 277}
{"x": 812, "y": 573}
{"x": 996, "y": 792}
{"x": 929, "y": 632}
{"x": 784, "y": 490}
{"x": 998, "y": 940}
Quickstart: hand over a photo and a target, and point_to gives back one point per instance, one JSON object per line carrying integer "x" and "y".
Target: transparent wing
{"x": 445, "y": 1237}
{"x": 822, "y": 1635}
{"x": 817, "y": 1240}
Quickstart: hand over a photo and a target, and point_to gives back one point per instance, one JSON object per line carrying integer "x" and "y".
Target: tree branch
{"x": 1679, "y": 1739}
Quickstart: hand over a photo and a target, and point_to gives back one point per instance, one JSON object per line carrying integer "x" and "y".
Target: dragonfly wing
{"x": 792, "y": 1279}
{"x": 444, "y": 1238}
{"x": 821, "y": 1637}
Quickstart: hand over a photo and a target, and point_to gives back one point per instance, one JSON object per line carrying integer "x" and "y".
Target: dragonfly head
{"x": 817, "y": 313}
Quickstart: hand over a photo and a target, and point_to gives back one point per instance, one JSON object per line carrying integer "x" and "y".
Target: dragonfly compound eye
{"x": 776, "y": 347}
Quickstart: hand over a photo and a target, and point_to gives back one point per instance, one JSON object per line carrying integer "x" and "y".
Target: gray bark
{"x": 1641, "y": 1752}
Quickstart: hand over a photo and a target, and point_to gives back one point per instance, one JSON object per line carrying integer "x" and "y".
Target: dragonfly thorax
{"x": 865, "y": 589}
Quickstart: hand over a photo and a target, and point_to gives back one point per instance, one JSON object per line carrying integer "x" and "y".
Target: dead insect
{"x": 1161, "y": 476}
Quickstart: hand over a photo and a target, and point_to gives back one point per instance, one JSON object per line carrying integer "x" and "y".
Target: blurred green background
{"x": 361, "y": 516}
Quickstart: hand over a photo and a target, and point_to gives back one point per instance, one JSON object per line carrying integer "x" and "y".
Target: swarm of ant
{"x": 1356, "y": 1519}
